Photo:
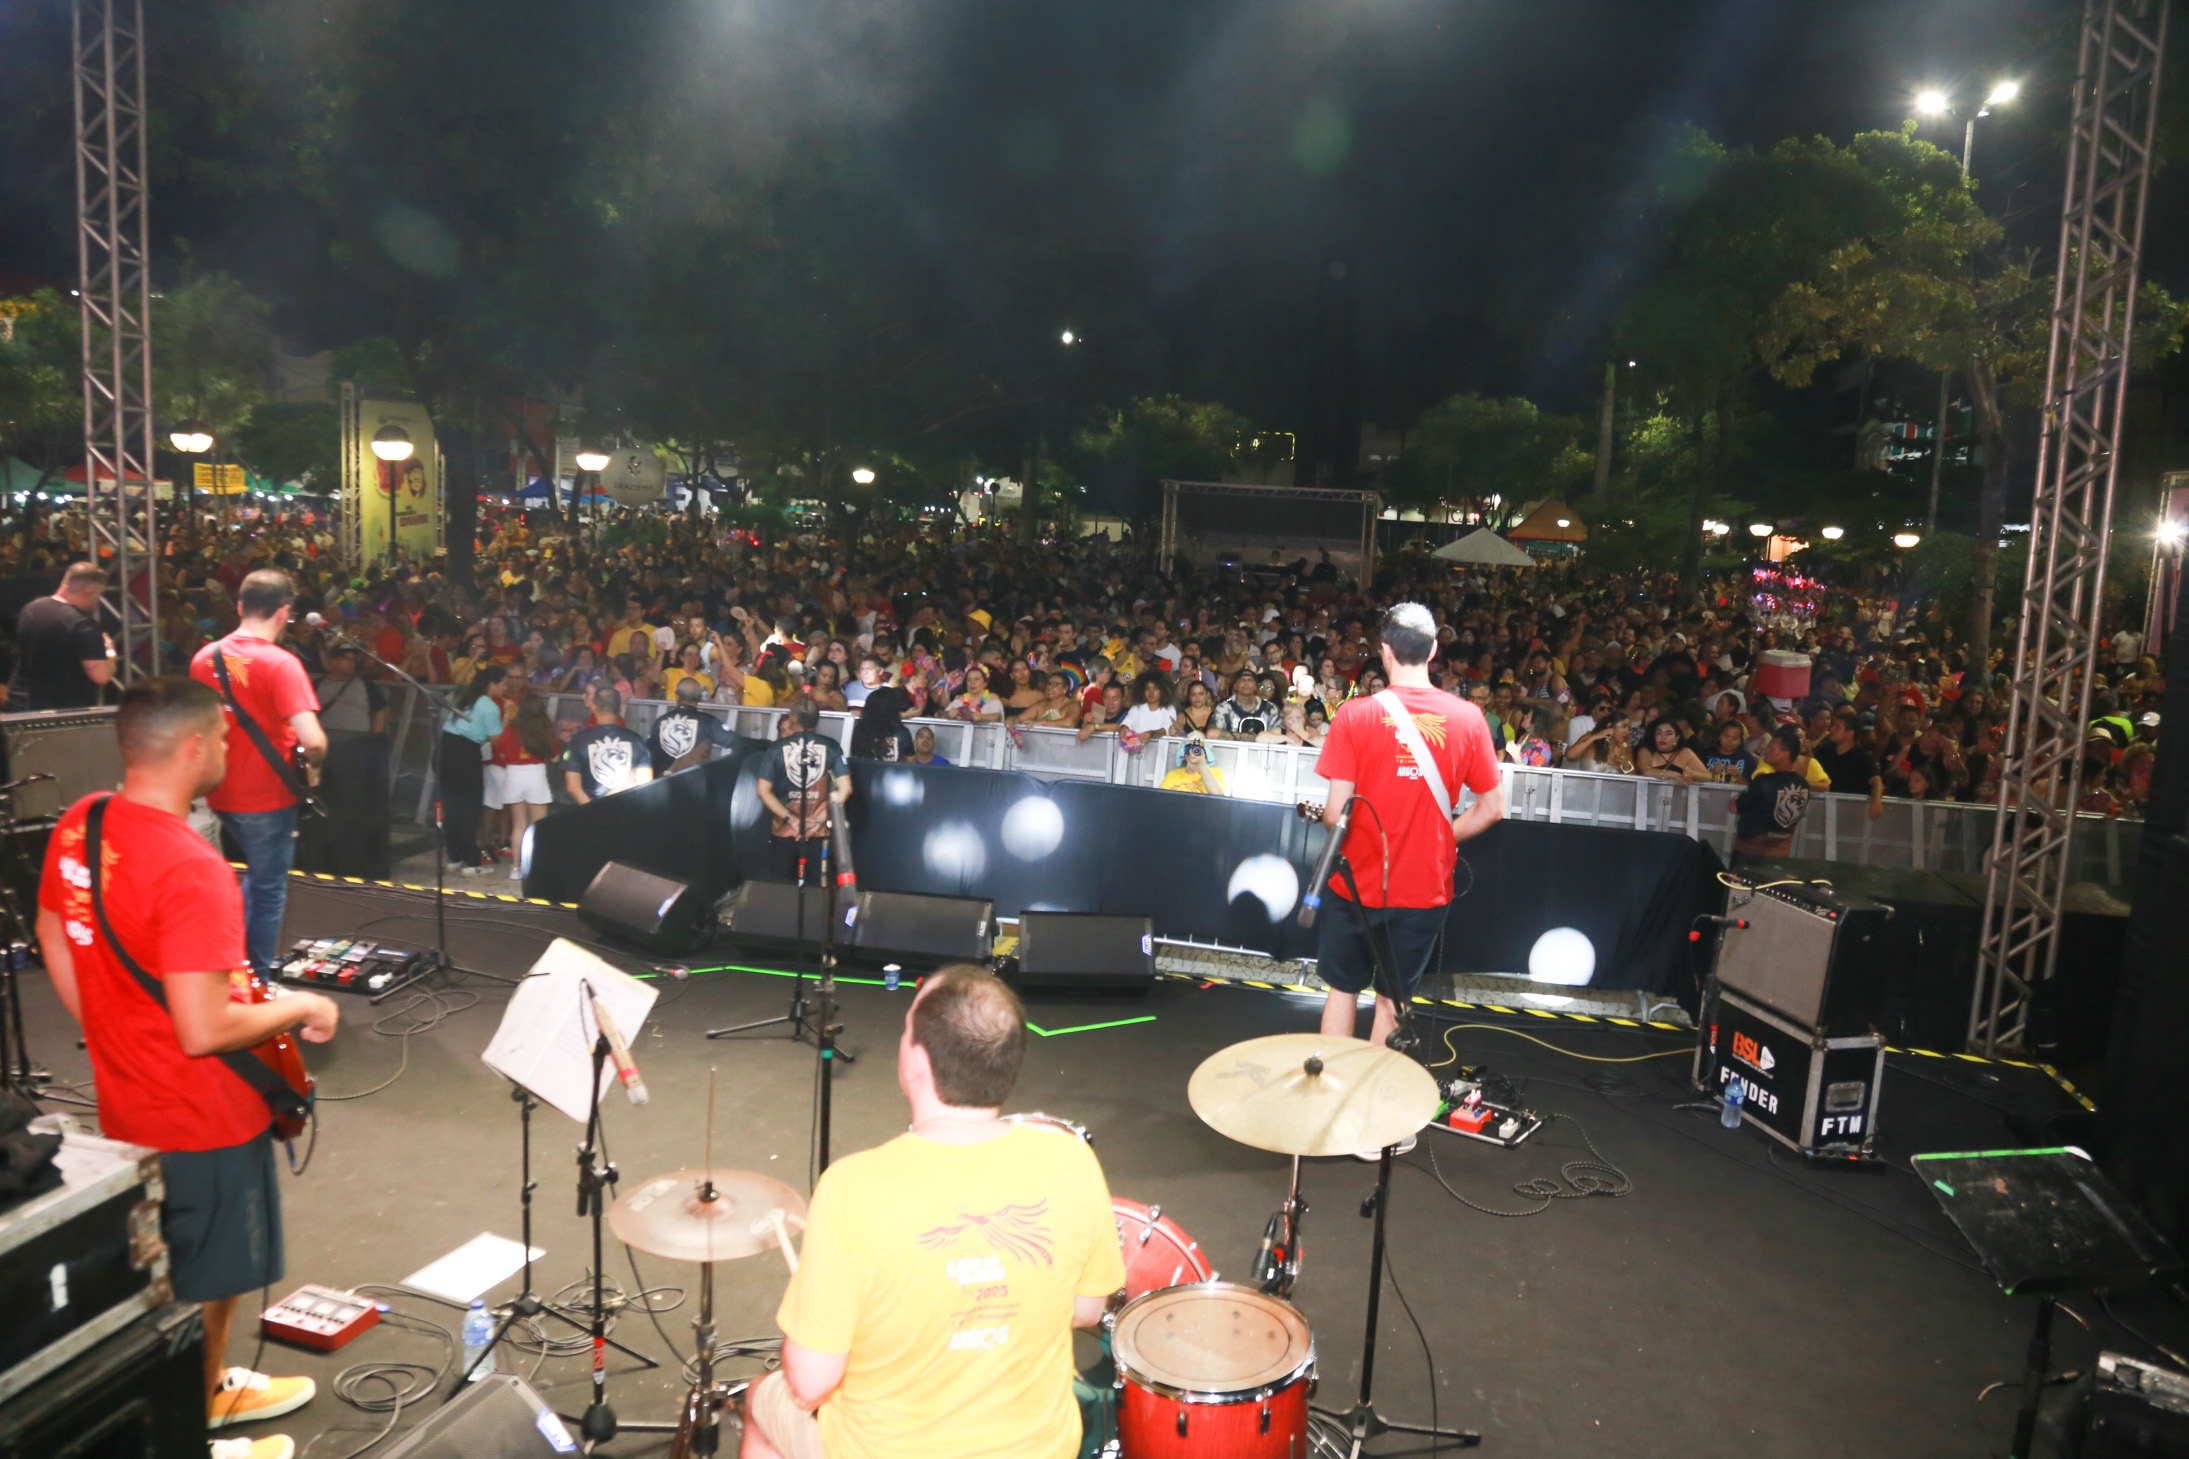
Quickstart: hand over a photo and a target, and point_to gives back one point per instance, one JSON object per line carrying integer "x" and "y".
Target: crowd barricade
{"x": 1945, "y": 836}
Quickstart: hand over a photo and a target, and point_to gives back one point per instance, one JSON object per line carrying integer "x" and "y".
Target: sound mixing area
{"x": 1678, "y": 1195}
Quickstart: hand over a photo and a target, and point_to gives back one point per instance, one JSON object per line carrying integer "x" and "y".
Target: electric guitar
{"x": 280, "y": 1053}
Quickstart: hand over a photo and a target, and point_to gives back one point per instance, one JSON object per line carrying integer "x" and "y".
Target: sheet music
{"x": 545, "y": 1042}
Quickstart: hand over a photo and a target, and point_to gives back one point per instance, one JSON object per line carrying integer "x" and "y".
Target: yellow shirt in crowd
{"x": 676, "y": 676}
{"x": 947, "y": 1273}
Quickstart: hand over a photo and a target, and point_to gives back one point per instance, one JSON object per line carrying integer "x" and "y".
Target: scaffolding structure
{"x": 2086, "y": 387}
{"x": 1367, "y": 502}
{"x": 114, "y": 291}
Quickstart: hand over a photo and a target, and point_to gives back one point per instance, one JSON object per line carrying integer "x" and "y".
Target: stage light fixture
{"x": 392, "y": 443}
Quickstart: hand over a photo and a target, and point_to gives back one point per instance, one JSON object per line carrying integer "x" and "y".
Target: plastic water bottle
{"x": 1729, "y": 1115}
{"x": 478, "y": 1338}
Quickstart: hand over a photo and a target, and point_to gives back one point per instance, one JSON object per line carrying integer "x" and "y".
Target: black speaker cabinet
{"x": 139, "y": 1394}
{"x": 1812, "y": 956}
{"x": 779, "y": 914}
{"x": 498, "y": 1417}
{"x": 1085, "y": 950}
{"x": 655, "y": 912}
{"x": 903, "y": 927}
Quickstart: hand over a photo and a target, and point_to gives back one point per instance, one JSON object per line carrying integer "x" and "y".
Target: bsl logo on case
{"x": 1753, "y": 1054}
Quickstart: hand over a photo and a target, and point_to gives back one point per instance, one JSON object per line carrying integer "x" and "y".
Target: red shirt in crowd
{"x": 271, "y": 684}
{"x": 1363, "y": 746}
{"x": 509, "y": 746}
{"x": 174, "y": 904}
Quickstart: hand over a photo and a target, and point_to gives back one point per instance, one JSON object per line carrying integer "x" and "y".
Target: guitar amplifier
{"x": 82, "y": 1261}
{"x": 1807, "y": 954}
{"x": 75, "y": 746}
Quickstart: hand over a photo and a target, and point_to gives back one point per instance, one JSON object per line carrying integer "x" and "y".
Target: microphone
{"x": 1312, "y": 900}
{"x": 618, "y": 1050}
{"x": 1695, "y": 932}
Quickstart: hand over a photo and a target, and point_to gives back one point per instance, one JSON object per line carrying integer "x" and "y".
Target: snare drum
{"x": 1213, "y": 1371}
{"x": 1158, "y": 1252}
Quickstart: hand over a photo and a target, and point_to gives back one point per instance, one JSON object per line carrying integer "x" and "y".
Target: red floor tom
{"x": 1213, "y": 1371}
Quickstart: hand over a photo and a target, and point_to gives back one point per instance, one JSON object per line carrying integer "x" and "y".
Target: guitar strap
{"x": 283, "y": 771}
{"x": 1409, "y": 733}
{"x": 251, "y": 1069}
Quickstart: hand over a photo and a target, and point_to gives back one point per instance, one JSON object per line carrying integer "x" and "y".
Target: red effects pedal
{"x": 319, "y": 1317}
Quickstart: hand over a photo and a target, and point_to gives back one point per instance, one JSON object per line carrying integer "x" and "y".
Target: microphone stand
{"x": 825, "y": 1027}
{"x": 442, "y": 962}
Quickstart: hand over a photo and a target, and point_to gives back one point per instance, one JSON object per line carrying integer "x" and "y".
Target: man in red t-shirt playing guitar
{"x": 258, "y": 802}
{"x": 1404, "y": 835}
{"x": 171, "y": 905}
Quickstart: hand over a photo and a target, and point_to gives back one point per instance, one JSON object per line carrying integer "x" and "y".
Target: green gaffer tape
{"x": 786, "y": 973}
{"x": 1050, "y": 1033}
{"x": 1988, "y": 1154}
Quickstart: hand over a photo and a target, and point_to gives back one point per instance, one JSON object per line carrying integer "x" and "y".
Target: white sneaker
{"x": 1372, "y": 1156}
{"x": 473, "y": 870}
{"x": 516, "y": 874}
{"x": 267, "y": 1446}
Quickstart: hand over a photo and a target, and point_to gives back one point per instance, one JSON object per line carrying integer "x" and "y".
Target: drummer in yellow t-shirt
{"x": 943, "y": 1273}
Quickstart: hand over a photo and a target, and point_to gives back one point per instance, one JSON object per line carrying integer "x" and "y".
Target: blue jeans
{"x": 268, "y": 839}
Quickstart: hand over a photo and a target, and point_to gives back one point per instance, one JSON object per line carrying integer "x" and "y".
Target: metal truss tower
{"x": 114, "y": 289}
{"x": 2086, "y": 388}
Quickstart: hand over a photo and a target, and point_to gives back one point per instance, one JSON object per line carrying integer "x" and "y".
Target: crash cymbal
{"x": 1306, "y": 1094}
{"x": 666, "y": 1216}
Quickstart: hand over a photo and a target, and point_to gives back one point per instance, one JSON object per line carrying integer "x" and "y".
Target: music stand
{"x": 2044, "y": 1222}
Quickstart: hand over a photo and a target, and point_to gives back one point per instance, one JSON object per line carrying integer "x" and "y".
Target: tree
{"x": 1133, "y": 449}
{"x": 292, "y": 441}
{"x": 212, "y": 354}
{"x": 1490, "y": 456}
{"x": 1942, "y": 291}
{"x": 41, "y": 387}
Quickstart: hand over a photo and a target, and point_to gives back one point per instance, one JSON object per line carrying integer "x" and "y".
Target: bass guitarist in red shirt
{"x": 141, "y": 926}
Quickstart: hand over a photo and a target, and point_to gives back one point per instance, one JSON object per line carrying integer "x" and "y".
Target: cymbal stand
{"x": 1361, "y": 1422}
{"x": 1277, "y": 1263}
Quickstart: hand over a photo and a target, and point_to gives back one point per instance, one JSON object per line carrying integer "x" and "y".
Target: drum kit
{"x": 1204, "y": 1367}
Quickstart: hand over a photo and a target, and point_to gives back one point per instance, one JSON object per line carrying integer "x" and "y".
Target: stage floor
{"x": 1734, "y": 1303}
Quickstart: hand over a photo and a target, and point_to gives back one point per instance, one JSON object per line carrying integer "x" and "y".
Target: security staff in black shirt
{"x": 61, "y": 658}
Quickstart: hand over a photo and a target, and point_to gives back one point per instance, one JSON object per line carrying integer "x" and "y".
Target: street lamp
{"x": 1906, "y": 539}
{"x": 1833, "y": 534}
{"x": 864, "y": 475}
{"x": 190, "y": 438}
{"x": 1759, "y": 529}
{"x": 1068, "y": 338}
{"x": 392, "y": 443}
{"x": 591, "y": 458}
{"x": 1934, "y": 103}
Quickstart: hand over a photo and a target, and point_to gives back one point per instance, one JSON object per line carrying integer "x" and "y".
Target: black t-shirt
{"x": 53, "y": 641}
{"x": 607, "y": 758}
{"x": 802, "y": 770}
{"x": 1771, "y": 805}
{"x": 1851, "y": 773}
{"x": 1740, "y": 762}
{"x": 679, "y": 731}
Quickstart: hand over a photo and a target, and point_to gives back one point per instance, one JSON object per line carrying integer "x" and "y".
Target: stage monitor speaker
{"x": 496, "y": 1417}
{"x": 1806, "y": 953}
{"x": 1085, "y": 950}
{"x": 777, "y": 913}
{"x": 904, "y": 927}
{"x": 655, "y": 912}
{"x": 139, "y": 1394}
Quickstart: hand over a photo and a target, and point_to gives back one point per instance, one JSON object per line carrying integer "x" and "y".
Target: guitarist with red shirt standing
{"x": 166, "y": 903}
{"x": 257, "y": 803}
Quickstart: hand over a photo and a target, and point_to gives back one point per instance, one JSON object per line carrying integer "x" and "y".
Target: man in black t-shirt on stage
{"x": 604, "y": 757}
{"x": 684, "y": 737}
{"x": 799, "y": 775}
{"x": 61, "y": 658}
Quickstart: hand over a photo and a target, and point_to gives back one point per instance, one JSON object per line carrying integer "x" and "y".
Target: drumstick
{"x": 782, "y": 1241}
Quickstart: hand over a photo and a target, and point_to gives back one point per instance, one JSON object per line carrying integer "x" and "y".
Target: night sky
{"x": 1479, "y": 167}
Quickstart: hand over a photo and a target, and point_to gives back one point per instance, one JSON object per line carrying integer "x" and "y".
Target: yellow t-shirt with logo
{"x": 947, "y": 1275}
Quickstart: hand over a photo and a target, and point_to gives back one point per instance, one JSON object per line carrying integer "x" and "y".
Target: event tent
{"x": 1484, "y": 548}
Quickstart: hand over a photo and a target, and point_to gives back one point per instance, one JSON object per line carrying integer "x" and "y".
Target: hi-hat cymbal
{"x": 666, "y": 1216}
{"x": 1307, "y": 1094}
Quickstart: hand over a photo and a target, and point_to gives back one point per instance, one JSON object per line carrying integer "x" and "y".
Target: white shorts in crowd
{"x": 516, "y": 785}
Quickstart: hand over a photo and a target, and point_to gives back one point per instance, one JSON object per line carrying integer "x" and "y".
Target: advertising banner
{"x": 399, "y": 502}
{"x": 635, "y": 476}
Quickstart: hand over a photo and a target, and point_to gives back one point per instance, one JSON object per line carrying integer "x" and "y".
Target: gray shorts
{"x": 222, "y": 1220}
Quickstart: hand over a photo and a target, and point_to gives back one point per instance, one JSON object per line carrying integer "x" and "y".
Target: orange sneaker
{"x": 246, "y": 1397}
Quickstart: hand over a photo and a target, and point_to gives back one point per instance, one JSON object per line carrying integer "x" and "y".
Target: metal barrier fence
{"x": 1923, "y": 835}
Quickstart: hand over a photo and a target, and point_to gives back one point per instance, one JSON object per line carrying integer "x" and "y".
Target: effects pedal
{"x": 352, "y": 965}
{"x": 319, "y": 1317}
{"x": 1465, "y": 1110}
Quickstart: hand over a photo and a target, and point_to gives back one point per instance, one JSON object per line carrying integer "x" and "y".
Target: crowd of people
{"x": 908, "y": 622}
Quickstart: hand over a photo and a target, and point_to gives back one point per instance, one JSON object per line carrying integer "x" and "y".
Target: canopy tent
{"x": 16, "y": 475}
{"x": 1551, "y": 521}
{"x": 1484, "y": 548}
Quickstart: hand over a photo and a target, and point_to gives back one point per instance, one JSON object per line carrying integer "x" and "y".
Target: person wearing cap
{"x": 1193, "y": 773}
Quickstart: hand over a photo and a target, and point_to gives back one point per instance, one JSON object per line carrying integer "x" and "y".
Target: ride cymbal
{"x": 1308, "y": 1094}
{"x": 669, "y": 1216}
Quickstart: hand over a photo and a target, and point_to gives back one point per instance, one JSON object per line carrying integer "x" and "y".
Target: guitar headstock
{"x": 1309, "y": 810}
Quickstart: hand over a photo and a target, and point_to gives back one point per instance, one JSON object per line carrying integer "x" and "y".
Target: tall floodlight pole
{"x": 114, "y": 290}
{"x": 2086, "y": 386}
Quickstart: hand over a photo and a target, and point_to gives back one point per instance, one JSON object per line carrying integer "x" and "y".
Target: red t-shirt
{"x": 271, "y": 684}
{"x": 1363, "y": 747}
{"x": 175, "y": 906}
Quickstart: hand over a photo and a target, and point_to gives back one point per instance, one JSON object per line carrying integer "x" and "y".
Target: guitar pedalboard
{"x": 353, "y": 965}
{"x": 320, "y": 1317}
